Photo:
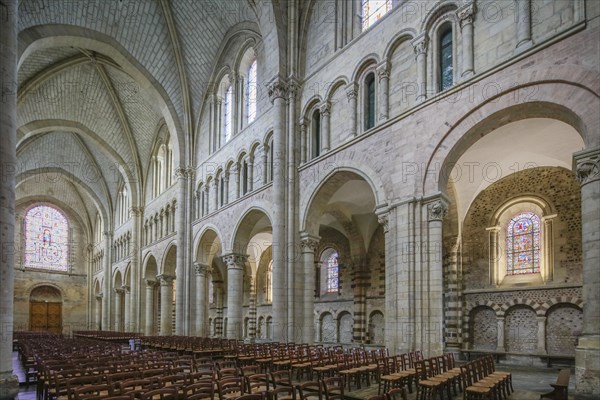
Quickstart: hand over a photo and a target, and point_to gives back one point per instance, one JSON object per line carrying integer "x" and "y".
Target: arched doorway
{"x": 45, "y": 309}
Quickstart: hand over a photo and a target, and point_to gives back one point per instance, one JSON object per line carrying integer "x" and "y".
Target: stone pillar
{"x": 149, "y": 328}
{"x": 587, "y": 354}
{"x": 107, "y": 280}
{"x": 235, "y": 293}
{"x": 9, "y": 384}
{"x": 250, "y": 173}
{"x": 118, "y": 309}
{"x": 541, "y": 335}
{"x": 166, "y": 304}
{"x": 500, "y": 345}
{"x": 383, "y": 75}
{"x": 98, "y": 314}
{"x": 523, "y": 19}
{"x": 420, "y": 47}
{"x": 352, "y": 94}
{"x": 309, "y": 244}
{"x": 180, "y": 270}
{"x": 359, "y": 288}
{"x": 252, "y": 309}
{"x": 264, "y": 160}
{"x": 215, "y": 190}
{"x": 435, "y": 290}
{"x": 325, "y": 109}
{"x": 303, "y": 141}
{"x": 466, "y": 15}
{"x": 278, "y": 94}
{"x": 548, "y": 237}
{"x": 218, "y": 287}
{"x": 201, "y": 298}
{"x": 135, "y": 252}
{"x": 494, "y": 255}
{"x": 126, "y": 308}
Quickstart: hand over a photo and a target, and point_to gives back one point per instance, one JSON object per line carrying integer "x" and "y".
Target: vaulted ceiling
{"x": 97, "y": 79}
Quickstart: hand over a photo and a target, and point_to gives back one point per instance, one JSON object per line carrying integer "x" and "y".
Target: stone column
{"x": 201, "y": 298}
{"x": 523, "y": 19}
{"x": 466, "y": 15}
{"x": 500, "y": 345}
{"x": 278, "y": 94}
{"x": 107, "y": 280}
{"x": 215, "y": 197}
{"x": 180, "y": 270}
{"x": 359, "y": 286}
{"x": 166, "y": 304}
{"x": 252, "y": 309}
{"x": 420, "y": 46}
{"x": 494, "y": 254}
{"x": 393, "y": 309}
{"x": 383, "y": 75}
{"x": 126, "y": 308}
{"x": 118, "y": 309}
{"x": 264, "y": 161}
{"x": 352, "y": 94}
{"x": 226, "y": 188}
{"x": 235, "y": 293}
{"x": 548, "y": 237}
{"x": 250, "y": 173}
{"x": 541, "y": 335}
{"x": 149, "y": 328}
{"x": 137, "y": 214}
{"x": 98, "y": 315}
{"x": 9, "y": 384}
{"x": 218, "y": 287}
{"x": 435, "y": 290}
{"x": 325, "y": 109}
{"x": 309, "y": 244}
{"x": 303, "y": 141}
{"x": 587, "y": 354}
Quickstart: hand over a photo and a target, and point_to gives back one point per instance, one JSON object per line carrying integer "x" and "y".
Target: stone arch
{"x": 243, "y": 230}
{"x": 520, "y": 329}
{"x": 169, "y": 260}
{"x": 40, "y": 37}
{"x": 397, "y": 39}
{"x": 368, "y": 61}
{"x": 376, "y": 327}
{"x": 574, "y": 301}
{"x": 437, "y": 11}
{"x": 336, "y": 83}
{"x": 564, "y": 325}
{"x": 55, "y": 290}
{"x": 327, "y": 327}
{"x": 483, "y": 327}
{"x": 520, "y": 301}
{"x": 309, "y": 106}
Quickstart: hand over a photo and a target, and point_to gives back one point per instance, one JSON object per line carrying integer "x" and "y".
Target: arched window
{"x": 370, "y": 101}
{"x": 269, "y": 283}
{"x": 333, "y": 273}
{"x": 445, "y": 59}
{"x": 373, "y": 10}
{"x": 123, "y": 205}
{"x": 523, "y": 244}
{"x": 316, "y": 133}
{"x": 251, "y": 93}
{"x": 228, "y": 114}
{"x": 162, "y": 168}
{"x": 46, "y": 239}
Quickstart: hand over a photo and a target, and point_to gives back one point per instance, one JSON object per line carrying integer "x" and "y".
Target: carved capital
{"x": 309, "y": 243}
{"x": 107, "y": 234}
{"x": 99, "y": 296}
{"x": 352, "y": 91}
{"x": 325, "y": 108}
{"x": 126, "y": 289}
{"x": 235, "y": 261}
{"x": 119, "y": 290}
{"x": 202, "y": 269}
{"x": 278, "y": 90}
{"x": 466, "y": 14}
{"x": 586, "y": 164}
{"x": 136, "y": 211}
{"x": 420, "y": 44}
{"x": 293, "y": 87}
{"x": 384, "y": 221}
{"x": 181, "y": 172}
{"x": 383, "y": 70}
{"x": 165, "y": 280}
{"x": 151, "y": 283}
{"x": 437, "y": 210}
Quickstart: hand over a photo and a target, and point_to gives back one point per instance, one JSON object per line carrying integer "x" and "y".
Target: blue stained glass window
{"x": 373, "y": 10}
{"x": 523, "y": 244}
{"x": 333, "y": 273}
{"x": 446, "y": 66}
{"x": 46, "y": 239}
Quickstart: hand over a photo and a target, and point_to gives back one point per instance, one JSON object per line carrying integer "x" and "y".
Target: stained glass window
{"x": 251, "y": 98}
{"x": 446, "y": 66}
{"x": 46, "y": 239}
{"x": 370, "y": 102}
{"x": 523, "y": 244}
{"x": 228, "y": 113}
{"x": 373, "y": 10}
{"x": 333, "y": 273}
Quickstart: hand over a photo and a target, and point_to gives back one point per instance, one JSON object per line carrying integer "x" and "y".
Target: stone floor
{"x": 528, "y": 383}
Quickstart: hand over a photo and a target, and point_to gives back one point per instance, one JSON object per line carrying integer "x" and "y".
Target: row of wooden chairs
{"x": 482, "y": 381}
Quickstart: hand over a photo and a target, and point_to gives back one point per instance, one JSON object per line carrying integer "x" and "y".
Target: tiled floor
{"x": 528, "y": 383}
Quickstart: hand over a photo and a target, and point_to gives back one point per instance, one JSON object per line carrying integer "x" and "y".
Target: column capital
{"x": 294, "y": 87}
{"x": 325, "y": 107}
{"x": 383, "y": 212}
{"x": 126, "y": 289}
{"x": 352, "y": 91}
{"x": 99, "y": 296}
{"x": 119, "y": 290}
{"x": 108, "y": 234}
{"x": 202, "y": 269}
{"x": 165, "y": 280}
{"x": 383, "y": 70}
{"x": 308, "y": 242}
{"x": 151, "y": 284}
{"x": 466, "y": 14}
{"x": 586, "y": 163}
{"x": 234, "y": 260}
{"x": 420, "y": 44}
{"x": 136, "y": 211}
{"x": 437, "y": 210}
{"x": 278, "y": 89}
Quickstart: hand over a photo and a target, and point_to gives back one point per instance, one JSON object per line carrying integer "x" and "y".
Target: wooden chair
{"x": 310, "y": 390}
{"x": 201, "y": 390}
{"x": 396, "y": 394}
{"x": 230, "y": 388}
{"x": 89, "y": 392}
{"x": 168, "y": 393}
{"x": 281, "y": 377}
{"x": 282, "y": 393}
{"x": 257, "y": 383}
{"x": 251, "y": 396}
{"x": 333, "y": 388}
{"x": 560, "y": 390}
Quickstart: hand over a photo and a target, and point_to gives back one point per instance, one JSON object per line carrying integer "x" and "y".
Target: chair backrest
{"x": 160, "y": 394}
{"x": 333, "y": 388}
{"x": 396, "y": 394}
{"x": 563, "y": 377}
{"x": 310, "y": 390}
{"x": 282, "y": 377}
{"x": 287, "y": 391}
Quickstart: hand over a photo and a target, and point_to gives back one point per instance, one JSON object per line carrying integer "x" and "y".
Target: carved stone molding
{"x": 586, "y": 163}
{"x": 165, "y": 280}
{"x": 420, "y": 44}
{"x": 235, "y": 261}
{"x": 202, "y": 269}
{"x": 466, "y": 14}
{"x": 309, "y": 243}
{"x": 352, "y": 91}
{"x": 325, "y": 108}
{"x": 136, "y": 211}
{"x": 151, "y": 283}
{"x": 437, "y": 210}
{"x": 383, "y": 70}
{"x": 383, "y": 220}
{"x": 278, "y": 89}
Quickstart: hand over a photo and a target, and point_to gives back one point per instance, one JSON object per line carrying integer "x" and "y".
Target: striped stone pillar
{"x": 252, "y": 309}
{"x": 360, "y": 282}
{"x": 149, "y": 327}
{"x": 218, "y": 287}
{"x": 166, "y": 304}
{"x": 452, "y": 297}
{"x": 235, "y": 290}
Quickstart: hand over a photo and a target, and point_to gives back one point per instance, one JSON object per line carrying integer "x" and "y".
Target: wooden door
{"x": 45, "y": 316}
